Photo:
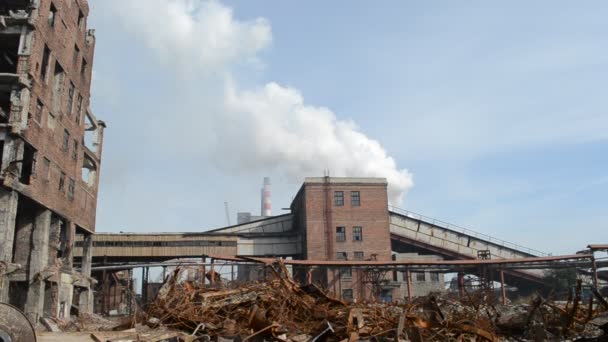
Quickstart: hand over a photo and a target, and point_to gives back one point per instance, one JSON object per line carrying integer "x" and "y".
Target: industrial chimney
{"x": 266, "y": 204}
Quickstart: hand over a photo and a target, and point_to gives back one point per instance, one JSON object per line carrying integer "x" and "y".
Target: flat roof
{"x": 343, "y": 180}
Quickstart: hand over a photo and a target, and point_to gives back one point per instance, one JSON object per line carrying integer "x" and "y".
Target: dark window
{"x": 52, "y": 15}
{"x": 346, "y": 272}
{"x": 340, "y": 234}
{"x": 70, "y": 98}
{"x": 358, "y": 255}
{"x": 355, "y": 198}
{"x": 62, "y": 181}
{"x": 78, "y": 109}
{"x": 81, "y": 24}
{"x": 339, "y": 198}
{"x": 357, "y": 234}
{"x": 76, "y": 55}
{"x": 38, "y": 113}
{"x": 420, "y": 276}
{"x": 46, "y": 55}
{"x": 83, "y": 67}
{"x": 347, "y": 294}
{"x": 46, "y": 168}
{"x": 71, "y": 186}
{"x": 75, "y": 150}
{"x": 341, "y": 255}
{"x": 434, "y": 276}
{"x": 66, "y": 140}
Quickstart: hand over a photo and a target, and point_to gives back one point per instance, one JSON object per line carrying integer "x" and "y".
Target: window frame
{"x": 356, "y": 203}
{"x": 338, "y": 198}
{"x": 340, "y": 234}
{"x": 357, "y": 232}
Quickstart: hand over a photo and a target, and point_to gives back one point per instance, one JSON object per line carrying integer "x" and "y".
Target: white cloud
{"x": 194, "y": 36}
{"x": 268, "y": 128}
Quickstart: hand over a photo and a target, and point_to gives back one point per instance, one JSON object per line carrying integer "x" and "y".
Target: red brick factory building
{"x": 50, "y": 145}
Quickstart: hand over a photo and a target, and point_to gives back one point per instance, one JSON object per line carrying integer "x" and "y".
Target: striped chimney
{"x": 266, "y": 204}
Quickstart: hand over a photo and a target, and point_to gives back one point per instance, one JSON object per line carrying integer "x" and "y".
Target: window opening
{"x": 357, "y": 234}
{"x": 340, "y": 234}
{"x": 46, "y": 56}
{"x": 355, "y": 198}
{"x": 339, "y": 198}
{"x": 61, "y": 181}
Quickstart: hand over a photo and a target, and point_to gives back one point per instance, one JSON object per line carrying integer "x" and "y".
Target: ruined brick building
{"x": 50, "y": 146}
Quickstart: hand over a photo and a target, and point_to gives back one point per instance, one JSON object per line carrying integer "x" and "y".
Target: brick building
{"x": 343, "y": 219}
{"x": 50, "y": 146}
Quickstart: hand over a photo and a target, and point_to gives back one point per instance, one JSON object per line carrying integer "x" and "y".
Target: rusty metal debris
{"x": 280, "y": 309}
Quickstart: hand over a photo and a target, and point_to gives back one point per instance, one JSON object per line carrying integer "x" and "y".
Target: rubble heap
{"x": 282, "y": 310}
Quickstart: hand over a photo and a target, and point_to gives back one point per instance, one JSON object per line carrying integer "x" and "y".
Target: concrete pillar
{"x": 34, "y": 303}
{"x": 85, "y": 301}
{"x": 8, "y": 215}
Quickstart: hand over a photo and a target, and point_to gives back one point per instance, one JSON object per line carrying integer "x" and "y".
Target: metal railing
{"x": 466, "y": 231}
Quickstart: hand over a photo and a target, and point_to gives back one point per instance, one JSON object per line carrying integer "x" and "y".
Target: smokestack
{"x": 266, "y": 204}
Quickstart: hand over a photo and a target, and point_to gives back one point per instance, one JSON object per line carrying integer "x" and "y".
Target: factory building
{"x": 50, "y": 147}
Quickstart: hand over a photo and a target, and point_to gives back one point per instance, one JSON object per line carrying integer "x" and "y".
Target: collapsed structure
{"x": 50, "y": 147}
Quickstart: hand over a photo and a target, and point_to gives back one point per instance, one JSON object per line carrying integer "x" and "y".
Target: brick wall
{"x": 70, "y": 47}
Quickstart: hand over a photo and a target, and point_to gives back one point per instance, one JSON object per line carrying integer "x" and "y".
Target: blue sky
{"x": 496, "y": 111}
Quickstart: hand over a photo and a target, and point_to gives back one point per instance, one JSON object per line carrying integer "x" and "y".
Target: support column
{"x": 461, "y": 284}
{"x": 85, "y": 301}
{"x": 8, "y": 215}
{"x": 502, "y": 287}
{"x": 594, "y": 269}
{"x": 408, "y": 274}
{"x": 34, "y": 303}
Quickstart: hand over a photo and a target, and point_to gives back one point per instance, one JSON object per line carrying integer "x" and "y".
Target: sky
{"x": 484, "y": 114}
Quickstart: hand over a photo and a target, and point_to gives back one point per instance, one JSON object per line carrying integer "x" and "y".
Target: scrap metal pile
{"x": 282, "y": 310}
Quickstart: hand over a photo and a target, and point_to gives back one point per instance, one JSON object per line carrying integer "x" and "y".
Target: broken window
{"x": 89, "y": 170}
{"x": 341, "y": 255}
{"x": 340, "y": 234}
{"x": 71, "y": 186}
{"x": 83, "y": 67}
{"x": 38, "y": 112}
{"x": 52, "y": 15}
{"x": 9, "y": 49}
{"x": 62, "y": 181}
{"x": 70, "y": 98}
{"x": 357, "y": 233}
{"x": 81, "y": 21}
{"x": 51, "y": 121}
{"x": 339, "y": 198}
{"x": 46, "y": 168}
{"x": 58, "y": 87}
{"x": 78, "y": 109}
{"x": 347, "y": 294}
{"x": 28, "y": 165}
{"x": 434, "y": 276}
{"x": 76, "y": 54}
{"x": 5, "y": 106}
{"x": 75, "y": 150}
{"x": 46, "y": 55}
{"x": 66, "y": 141}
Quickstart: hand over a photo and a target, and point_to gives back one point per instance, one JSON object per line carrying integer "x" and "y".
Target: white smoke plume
{"x": 269, "y": 127}
{"x": 301, "y": 140}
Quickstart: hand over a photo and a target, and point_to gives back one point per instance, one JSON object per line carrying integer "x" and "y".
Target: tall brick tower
{"x": 50, "y": 146}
